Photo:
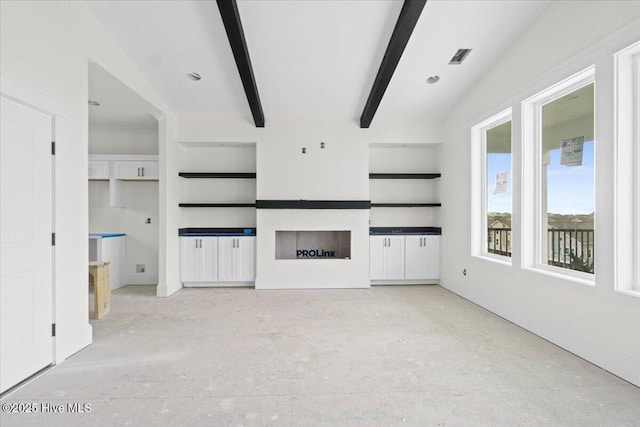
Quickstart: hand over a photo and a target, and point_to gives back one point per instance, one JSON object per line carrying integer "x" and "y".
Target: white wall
{"x": 123, "y": 140}
{"x": 140, "y": 200}
{"x": 594, "y": 322}
{"x": 47, "y": 46}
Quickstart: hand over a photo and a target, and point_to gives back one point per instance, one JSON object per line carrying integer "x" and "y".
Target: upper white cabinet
{"x": 99, "y": 170}
{"x": 236, "y": 259}
{"x": 136, "y": 170}
{"x": 118, "y": 168}
{"x": 422, "y": 257}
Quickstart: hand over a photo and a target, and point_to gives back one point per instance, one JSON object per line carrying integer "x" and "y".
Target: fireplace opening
{"x": 304, "y": 244}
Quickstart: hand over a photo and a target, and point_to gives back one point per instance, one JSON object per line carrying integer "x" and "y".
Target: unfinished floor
{"x": 385, "y": 356}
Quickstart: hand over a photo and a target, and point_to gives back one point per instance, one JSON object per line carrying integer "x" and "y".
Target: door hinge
{"x": 53, "y": 329}
{"x": 53, "y": 239}
{"x": 53, "y": 148}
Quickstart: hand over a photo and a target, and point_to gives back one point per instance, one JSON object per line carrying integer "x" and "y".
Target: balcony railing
{"x": 566, "y": 248}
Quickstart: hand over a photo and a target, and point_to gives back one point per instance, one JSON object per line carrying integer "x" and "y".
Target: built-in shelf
{"x": 404, "y": 175}
{"x": 224, "y": 175}
{"x": 217, "y": 205}
{"x": 218, "y": 175}
{"x": 405, "y": 205}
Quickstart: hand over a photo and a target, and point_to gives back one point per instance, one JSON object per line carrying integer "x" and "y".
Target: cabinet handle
{"x": 143, "y": 171}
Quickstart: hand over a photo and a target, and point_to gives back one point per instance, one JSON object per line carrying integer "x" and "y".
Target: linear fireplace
{"x": 312, "y": 244}
{"x": 312, "y": 248}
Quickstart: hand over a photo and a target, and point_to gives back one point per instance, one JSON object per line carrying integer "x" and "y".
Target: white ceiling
{"x": 314, "y": 58}
{"x": 119, "y": 105}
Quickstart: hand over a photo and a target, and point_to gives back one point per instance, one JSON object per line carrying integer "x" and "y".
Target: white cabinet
{"x": 236, "y": 259}
{"x": 112, "y": 248}
{"x": 422, "y": 257}
{"x": 386, "y": 260}
{"x": 136, "y": 170}
{"x": 120, "y": 168}
{"x": 209, "y": 260}
{"x": 198, "y": 259}
{"x": 98, "y": 169}
{"x": 404, "y": 259}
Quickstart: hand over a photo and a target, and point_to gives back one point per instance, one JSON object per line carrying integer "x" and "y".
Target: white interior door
{"x": 26, "y": 273}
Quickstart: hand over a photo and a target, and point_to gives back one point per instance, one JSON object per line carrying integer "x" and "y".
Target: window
{"x": 627, "y": 185}
{"x": 560, "y": 122}
{"x": 491, "y": 150}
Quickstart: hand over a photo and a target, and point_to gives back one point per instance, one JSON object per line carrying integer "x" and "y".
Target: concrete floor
{"x": 386, "y": 356}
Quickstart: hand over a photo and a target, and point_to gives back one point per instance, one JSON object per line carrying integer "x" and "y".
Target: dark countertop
{"x": 252, "y": 231}
{"x": 217, "y": 232}
{"x": 405, "y": 231}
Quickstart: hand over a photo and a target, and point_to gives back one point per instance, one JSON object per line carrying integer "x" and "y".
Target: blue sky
{"x": 570, "y": 188}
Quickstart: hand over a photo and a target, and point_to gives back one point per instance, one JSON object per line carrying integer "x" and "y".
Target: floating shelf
{"x": 313, "y": 204}
{"x": 404, "y": 175}
{"x": 405, "y": 205}
{"x": 228, "y": 175}
{"x": 217, "y": 205}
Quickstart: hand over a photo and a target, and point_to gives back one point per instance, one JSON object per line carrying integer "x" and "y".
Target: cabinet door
{"x": 414, "y": 257}
{"x": 394, "y": 258}
{"x": 226, "y": 259}
{"x": 209, "y": 259}
{"x": 431, "y": 266}
{"x": 246, "y": 259}
{"x": 136, "y": 170}
{"x": 189, "y": 259}
{"x": 98, "y": 169}
{"x": 149, "y": 170}
{"x": 376, "y": 257}
{"x": 422, "y": 257}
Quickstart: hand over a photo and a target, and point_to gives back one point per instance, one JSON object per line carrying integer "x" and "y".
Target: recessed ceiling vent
{"x": 460, "y": 56}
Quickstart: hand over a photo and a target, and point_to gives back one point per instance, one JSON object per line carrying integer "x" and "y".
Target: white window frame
{"x": 627, "y": 158}
{"x": 532, "y": 177}
{"x": 479, "y": 187}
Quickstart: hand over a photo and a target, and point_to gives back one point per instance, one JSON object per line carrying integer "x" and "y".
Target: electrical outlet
{"x": 148, "y": 221}
{"x": 140, "y": 268}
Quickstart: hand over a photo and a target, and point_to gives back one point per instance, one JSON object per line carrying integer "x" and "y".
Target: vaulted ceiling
{"x": 313, "y": 59}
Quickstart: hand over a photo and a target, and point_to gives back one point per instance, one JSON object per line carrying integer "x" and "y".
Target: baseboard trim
{"x": 141, "y": 279}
